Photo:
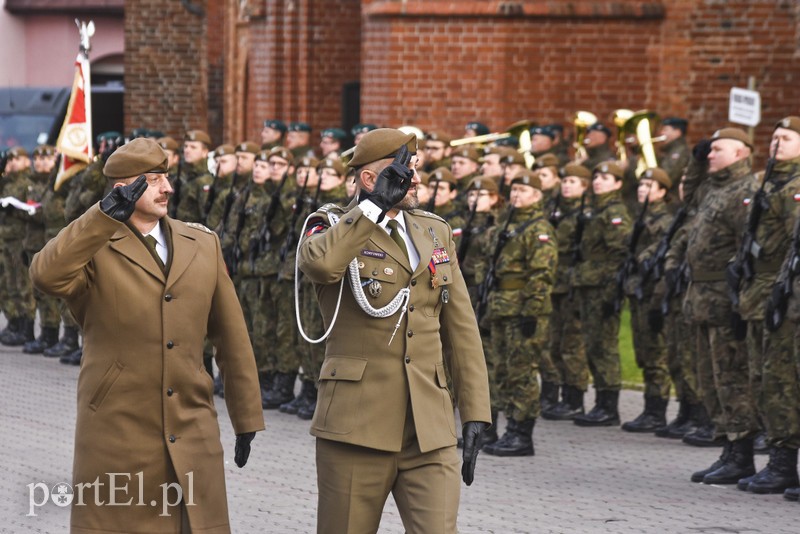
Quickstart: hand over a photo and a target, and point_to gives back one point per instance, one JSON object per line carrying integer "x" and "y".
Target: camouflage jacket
{"x": 13, "y": 222}
{"x": 674, "y": 159}
{"x": 597, "y": 155}
{"x": 34, "y": 233}
{"x": 195, "y": 183}
{"x": 526, "y": 267}
{"x": 567, "y": 219}
{"x": 603, "y": 245}
{"x": 714, "y": 238}
{"x": 87, "y": 189}
{"x": 656, "y": 221}
{"x": 774, "y": 234}
{"x": 52, "y": 212}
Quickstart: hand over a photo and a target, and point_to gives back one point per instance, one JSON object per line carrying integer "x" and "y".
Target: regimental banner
{"x": 75, "y": 139}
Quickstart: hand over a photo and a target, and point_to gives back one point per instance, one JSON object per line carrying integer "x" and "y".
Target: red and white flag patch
{"x": 544, "y": 238}
{"x": 747, "y": 201}
{"x": 797, "y": 197}
{"x": 616, "y": 221}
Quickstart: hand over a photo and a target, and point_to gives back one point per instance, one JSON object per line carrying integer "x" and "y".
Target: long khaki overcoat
{"x": 145, "y": 400}
{"x": 367, "y": 384}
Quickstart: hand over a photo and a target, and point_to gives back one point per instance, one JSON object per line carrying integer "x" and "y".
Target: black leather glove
{"x": 776, "y": 309}
{"x": 739, "y": 327}
{"x": 392, "y": 183}
{"x": 243, "y": 448}
{"x": 528, "y": 326}
{"x": 655, "y": 319}
{"x": 701, "y": 150}
{"x": 121, "y": 201}
{"x": 471, "y": 433}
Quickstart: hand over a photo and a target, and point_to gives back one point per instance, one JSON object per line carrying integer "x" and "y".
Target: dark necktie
{"x": 151, "y": 244}
{"x": 396, "y": 237}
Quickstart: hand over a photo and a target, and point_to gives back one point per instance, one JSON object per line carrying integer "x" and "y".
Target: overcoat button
{"x": 414, "y": 282}
{"x": 170, "y": 344}
{"x": 444, "y": 278}
{"x": 169, "y": 392}
{"x": 333, "y": 373}
{"x": 171, "y": 438}
{"x": 349, "y": 220}
{"x": 408, "y": 360}
{"x": 411, "y": 308}
{"x": 168, "y": 297}
{"x": 410, "y": 333}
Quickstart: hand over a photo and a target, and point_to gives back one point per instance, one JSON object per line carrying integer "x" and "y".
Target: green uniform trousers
{"x": 650, "y": 349}
{"x": 600, "y": 326}
{"x": 566, "y": 342}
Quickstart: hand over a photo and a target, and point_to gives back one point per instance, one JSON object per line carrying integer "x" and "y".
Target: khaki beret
{"x": 16, "y": 152}
{"x": 497, "y": 150}
{"x": 168, "y": 143}
{"x": 438, "y": 136}
{"x": 512, "y": 156}
{"x": 44, "y": 150}
{"x": 527, "y": 177}
{"x": 575, "y": 169}
{"x": 137, "y": 157}
{"x": 307, "y": 161}
{"x": 609, "y": 167}
{"x": 263, "y": 155}
{"x": 657, "y": 174}
{"x": 791, "y": 122}
{"x": 281, "y": 152}
{"x": 380, "y": 144}
{"x": 224, "y": 150}
{"x": 484, "y": 183}
{"x": 249, "y": 147}
{"x": 468, "y": 152}
{"x": 198, "y": 135}
{"x": 733, "y": 133}
{"x": 442, "y": 174}
{"x": 335, "y": 164}
{"x": 546, "y": 160}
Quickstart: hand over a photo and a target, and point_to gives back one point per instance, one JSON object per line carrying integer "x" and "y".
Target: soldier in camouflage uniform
{"x": 519, "y": 310}
{"x": 714, "y": 239}
{"x": 172, "y": 149}
{"x": 644, "y": 297}
{"x": 44, "y": 162}
{"x": 464, "y": 165}
{"x": 542, "y": 139}
{"x": 90, "y": 186}
{"x": 272, "y": 134}
{"x": 772, "y": 353}
{"x": 546, "y": 167}
{"x": 20, "y": 308}
{"x": 192, "y": 186}
{"x": 674, "y": 153}
{"x": 513, "y": 163}
{"x": 444, "y": 190}
{"x": 298, "y": 140}
{"x": 597, "y": 149}
{"x": 437, "y": 151}
{"x": 330, "y": 144}
{"x": 566, "y": 342}
{"x": 602, "y": 250}
{"x": 224, "y": 177}
{"x": 325, "y": 185}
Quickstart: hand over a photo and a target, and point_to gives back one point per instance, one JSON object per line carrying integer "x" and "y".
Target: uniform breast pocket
{"x": 339, "y": 397}
{"x": 440, "y": 295}
{"x": 379, "y": 279}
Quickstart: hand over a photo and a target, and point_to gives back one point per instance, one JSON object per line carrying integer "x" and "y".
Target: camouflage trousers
{"x": 773, "y": 372}
{"x": 731, "y": 370}
{"x": 257, "y": 307}
{"x": 600, "y": 328}
{"x": 514, "y": 379}
{"x": 704, "y": 371}
{"x": 566, "y": 343}
{"x": 650, "y": 349}
{"x": 681, "y": 355}
{"x": 284, "y": 351}
{"x": 49, "y": 313}
{"x": 311, "y": 354}
{"x": 18, "y": 286}
{"x": 66, "y": 316}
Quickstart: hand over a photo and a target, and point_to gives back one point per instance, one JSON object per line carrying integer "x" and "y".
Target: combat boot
{"x": 282, "y": 390}
{"x": 780, "y": 473}
{"x": 66, "y": 345}
{"x": 792, "y": 494}
{"x": 738, "y": 465}
{"x": 73, "y": 358}
{"x": 307, "y": 413}
{"x": 698, "y": 476}
{"x": 265, "y": 381}
{"x": 681, "y": 425}
{"x": 46, "y": 339}
{"x": 760, "y": 445}
{"x": 511, "y": 426}
{"x": 571, "y": 405}
{"x": 548, "y": 397}
{"x": 653, "y": 417}
{"x": 604, "y": 413}
{"x": 11, "y": 328}
{"x": 22, "y": 336}
{"x": 219, "y": 386}
{"x": 307, "y": 395}
{"x": 704, "y": 435}
{"x": 519, "y": 442}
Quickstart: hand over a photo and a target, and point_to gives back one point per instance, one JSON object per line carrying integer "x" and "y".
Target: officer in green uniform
{"x": 192, "y": 186}
{"x": 464, "y": 165}
{"x": 20, "y": 308}
{"x": 437, "y": 151}
{"x": 674, "y": 152}
{"x": 715, "y": 238}
{"x": 298, "y": 140}
{"x": 43, "y": 177}
{"x": 566, "y": 342}
{"x": 644, "y": 298}
{"x": 601, "y": 252}
{"x": 596, "y": 143}
{"x": 272, "y": 134}
{"x": 519, "y": 311}
{"x": 772, "y": 352}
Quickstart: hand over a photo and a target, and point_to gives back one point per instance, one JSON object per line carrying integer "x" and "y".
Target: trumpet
{"x": 518, "y": 129}
{"x": 582, "y": 121}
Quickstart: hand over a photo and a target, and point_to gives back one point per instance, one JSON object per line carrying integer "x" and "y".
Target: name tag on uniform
{"x": 440, "y": 256}
{"x": 373, "y": 254}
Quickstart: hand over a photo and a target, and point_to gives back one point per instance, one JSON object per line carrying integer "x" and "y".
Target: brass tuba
{"x": 620, "y": 117}
{"x": 641, "y": 125}
{"x": 582, "y": 121}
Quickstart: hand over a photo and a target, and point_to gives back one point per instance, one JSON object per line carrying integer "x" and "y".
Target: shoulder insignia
{"x": 330, "y": 208}
{"x": 316, "y": 224}
{"x": 424, "y": 213}
{"x": 198, "y": 226}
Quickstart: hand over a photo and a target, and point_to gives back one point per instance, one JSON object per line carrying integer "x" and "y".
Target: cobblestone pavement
{"x": 580, "y": 481}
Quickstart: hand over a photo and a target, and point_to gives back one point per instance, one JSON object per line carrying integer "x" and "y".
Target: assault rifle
{"x": 233, "y": 256}
{"x": 555, "y": 216}
{"x": 491, "y": 275}
{"x": 676, "y": 282}
{"x": 433, "y": 186}
{"x": 466, "y": 234}
{"x": 742, "y": 266}
{"x": 577, "y": 257}
{"x": 176, "y": 191}
{"x": 212, "y": 192}
{"x": 297, "y": 210}
{"x": 630, "y": 265}
{"x": 653, "y": 267}
{"x": 782, "y": 290}
{"x": 260, "y": 243}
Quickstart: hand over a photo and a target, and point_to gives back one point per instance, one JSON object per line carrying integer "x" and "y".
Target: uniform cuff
{"x": 370, "y": 210}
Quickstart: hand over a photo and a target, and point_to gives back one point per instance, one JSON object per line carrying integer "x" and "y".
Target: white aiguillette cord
{"x": 399, "y": 302}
